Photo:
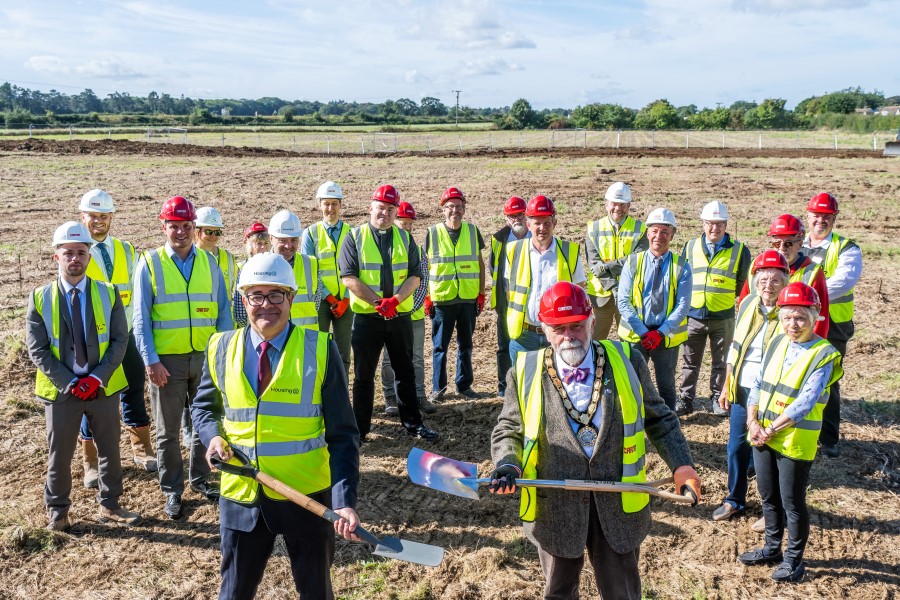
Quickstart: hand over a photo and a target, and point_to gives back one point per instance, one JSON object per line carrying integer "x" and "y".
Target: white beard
{"x": 572, "y": 353}
{"x": 519, "y": 230}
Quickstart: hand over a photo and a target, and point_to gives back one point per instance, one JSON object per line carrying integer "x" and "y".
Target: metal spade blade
{"x": 441, "y": 473}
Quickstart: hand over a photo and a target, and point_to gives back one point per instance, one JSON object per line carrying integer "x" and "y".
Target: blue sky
{"x": 555, "y": 54}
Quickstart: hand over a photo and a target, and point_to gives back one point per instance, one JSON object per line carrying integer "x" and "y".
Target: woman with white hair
{"x": 256, "y": 241}
{"x": 756, "y": 324}
{"x": 784, "y": 418}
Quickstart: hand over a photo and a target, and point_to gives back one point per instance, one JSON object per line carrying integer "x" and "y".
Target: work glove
{"x": 651, "y": 340}
{"x": 479, "y": 304}
{"x": 86, "y": 388}
{"x": 340, "y": 308}
{"x": 687, "y": 481}
{"x": 429, "y": 307}
{"x": 387, "y": 307}
{"x": 503, "y": 479}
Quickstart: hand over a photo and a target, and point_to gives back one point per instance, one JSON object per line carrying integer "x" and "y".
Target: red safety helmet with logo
{"x": 798, "y": 293}
{"x": 540, "y": 206}
{"x": 786, "y": 225}
{"x": 177, "y": 208}
{"x": 564, "y": 302}
{"x": 406, "y": 211}
{"x": 823, "y": 203}
{"x": 514, "y": 206}
{"x": 770, "y": 259}
{"x": 387, "y": 194}
{"x": 253, "y": 229}
{"x": 452, "y": 192}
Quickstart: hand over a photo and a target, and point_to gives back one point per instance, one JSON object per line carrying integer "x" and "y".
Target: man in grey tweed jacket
{"x": 564, "y": 523}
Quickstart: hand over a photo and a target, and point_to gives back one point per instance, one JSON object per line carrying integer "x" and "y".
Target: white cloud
{"x": 492, "y": 65}
{"x": 413, "y": 76}
{"x": 467, "y": 24}
{"x": 785, "y": 6}
{"x": 93, "y": 68}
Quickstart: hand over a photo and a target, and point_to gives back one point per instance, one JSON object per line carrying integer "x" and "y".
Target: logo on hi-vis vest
{"x": 101, "y": 327}
{"x": 629, "y": 449}
{"x": 201, "y": 310}
{"x": 285, "y": 390}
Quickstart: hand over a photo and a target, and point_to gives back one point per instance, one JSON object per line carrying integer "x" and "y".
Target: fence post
{"x": 835, "y": 140}
{"x": 328, "y": 144}
{"x": 294, "y": 143}
{"x": 109, "y": 133}
{"x": 29, "y": 130}
{"x": 520, "y": 139}
{"x": 491, "y": 140}
{"x": 459, "y": 142}
{"x": 653, "y": 139}
{"x": 223, "y": 140}
{"x": 618, "y": 138}
{"x": 723, "y": 139}
{"x": 760, "y": 140}
{"x": 552, "y": 138}
{"x": 362, "y": 145}
{"x": 395, "y": 144}
{"x": 148, "y": 135}
{"x": 687, "y": 139}
{"x": 874, "y": 140}
{"x": 427, "y": 144}
{"x": 584, "y": 144}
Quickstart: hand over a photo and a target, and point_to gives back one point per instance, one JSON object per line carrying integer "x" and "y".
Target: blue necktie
{"x": 107, "y": 261}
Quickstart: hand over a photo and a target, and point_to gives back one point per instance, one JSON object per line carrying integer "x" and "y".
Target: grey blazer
{"x": 59, "y": 371}
{"x": 561, "y": 522}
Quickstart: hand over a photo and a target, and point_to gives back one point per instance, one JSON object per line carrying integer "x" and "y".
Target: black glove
{"x": 503, "y": 480}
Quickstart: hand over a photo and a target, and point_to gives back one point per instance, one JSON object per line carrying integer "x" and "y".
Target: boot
{"x": 142, "y": 449}
{"x": 91, "y": 472}
{"x": 390, "y": 406}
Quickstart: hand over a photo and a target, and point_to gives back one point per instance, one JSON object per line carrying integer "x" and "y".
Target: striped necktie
{"x": 107, "y": 261}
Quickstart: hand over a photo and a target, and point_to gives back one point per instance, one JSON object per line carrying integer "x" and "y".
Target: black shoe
{"x": 173, "y": 506}
{"x": 831, "y": 450}
{"x": 683, "y": 407}
{"x": 760, "y": 557}
{"x": 469, "y": 393}
{"x": 751, "y": 472}
{"x": 421, "y": 432}
{"x": 718, "y": 410}
{"x": 788, "y": 573}
{"x": 211, "y": 492}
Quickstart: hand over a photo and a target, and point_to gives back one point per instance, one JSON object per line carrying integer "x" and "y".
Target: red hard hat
{"x": 786, "y": 225}
{"x": 514, "y": 206}
{"x": 823, "y": 203}
{"x": 452, "y": 192}
{"x": 770, "y": 259}
{"x": 406, "y": 211}
{"x": 564, "y": 302}
{"x": 387, "y": 194}
{"x": 254, "y": 228}
{"x": 177, "y": 208}
{"x": 540, "y": 206}
{"x": 798, "y": 293}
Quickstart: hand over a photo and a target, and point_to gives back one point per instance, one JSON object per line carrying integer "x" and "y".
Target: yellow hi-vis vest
{"x": 123, "y": 269}
{"x": 518, "y": 273}
{"x": 103, "y": 297}
{"x": 419, "y": 313}
{"x": 678, "y": 335}
{"x": 326, "y": 253}
{"x": 612, "y": 245}
{"x": 303, "y": 309}
{"x": 453, "y": 271}
{"x": 370, "y": 266}
{"x": 529, "y": 374}
{"x": 840, "y": 310}
{"x": 778, "y": 391}
{"x": 496, "y": 251}
{"x": 747, "y": 325}
{"x": 713, "y": 283}
{"x": 225, "y": 260}
{"x": 283, "y": 430}
{"x": 183, "y": 313}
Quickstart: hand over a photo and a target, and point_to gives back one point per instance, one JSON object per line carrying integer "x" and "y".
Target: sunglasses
{"x": 216, "y": 232}
{"x": 784, "y": 243}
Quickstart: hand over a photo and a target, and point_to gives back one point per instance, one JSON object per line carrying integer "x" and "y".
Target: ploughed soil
{"x": 854, "y": 544}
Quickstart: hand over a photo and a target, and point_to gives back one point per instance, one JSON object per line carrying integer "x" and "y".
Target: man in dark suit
{"x": 278, "y": 393}
{"x": 578, "y": 405}
{"x": 76, "y": 336}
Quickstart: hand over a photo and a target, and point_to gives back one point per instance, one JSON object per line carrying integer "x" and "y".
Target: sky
{"x": 555, "y": 54}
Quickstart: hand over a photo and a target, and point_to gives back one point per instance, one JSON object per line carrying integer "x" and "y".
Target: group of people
{"x": 255, "y": 355}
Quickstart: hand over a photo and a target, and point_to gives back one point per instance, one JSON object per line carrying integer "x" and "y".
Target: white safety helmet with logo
{"x": 209, "y": 217}
{"x": 714, "y": 211}
{"x": 267, "y": 268}
{"x": 618, "y": 192}
{"x": 285, "y": 224}
{"x": 661, "y": 216}
{"x": 330, "y": 189}
{"x": 72, "y": 232}
{"x": 97, "y": 201}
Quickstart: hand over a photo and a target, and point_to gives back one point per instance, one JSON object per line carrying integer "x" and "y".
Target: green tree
{"x": 432, "y": 107}
{"x": 521, "y": 115}
{"x": 770, "y": 114}
{"x": 603, "y": 116}
{"x": 659, "y": 114}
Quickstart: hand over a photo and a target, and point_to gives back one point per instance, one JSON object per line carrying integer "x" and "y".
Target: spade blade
{"x": 441, "y": 473}
{"x": 405, "y": 550}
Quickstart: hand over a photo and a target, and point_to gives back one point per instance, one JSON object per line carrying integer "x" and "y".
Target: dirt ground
{"x": 854, "y": 548}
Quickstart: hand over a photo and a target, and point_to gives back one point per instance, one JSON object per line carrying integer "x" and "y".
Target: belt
{"x": 534, "y": 328}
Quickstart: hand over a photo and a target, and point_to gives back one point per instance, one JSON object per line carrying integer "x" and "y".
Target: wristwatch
{"x": 770, "y": 430}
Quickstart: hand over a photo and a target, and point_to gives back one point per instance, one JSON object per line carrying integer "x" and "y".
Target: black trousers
{"x": 370, "y": 335}
{"x": 782, "y": 485}
{"x": 831, "y": 416}
{"x": 504, "y": 361}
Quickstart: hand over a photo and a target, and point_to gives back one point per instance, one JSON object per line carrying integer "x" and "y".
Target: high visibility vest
{"x": 370, "y": 266}
{"x": 123, "y": 269}
{"x": 678, "y": 335}
{"x": 612, "y": 245}
{"x": 453, "y": 270}
{"x": 303, "y": 308}
{"x": 806, "y": 274}
{"x": 840, "y": 310}
{"x": 225, "y": 260}
{"x": 326, "y": 253}
{"x": 778, "y": 391}
{"x": 496, "y": 252}
{"x": 518, "y": 262}
{"x": 419, "y": 313}
{"x": 103, "y": 297}
{"x": 282, "y": 431}
{"x": 713, "y": 283}
{"x": 747, "y": 325}
{"x": 183, "y": 313}
{"x": 529, "y": 374}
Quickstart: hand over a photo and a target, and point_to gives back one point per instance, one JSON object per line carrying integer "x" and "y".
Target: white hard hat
{"x": 209, "y": 217}
{"x": 714, "y": 211}
{"x": 661, "y": 216}
{"x": 71, "y": 232}
{"x": 285, "y": 224}
{"x": 97, "y": 201}
{"x": 267, "y": 268}
{"x": 619, "y": 192}
{"x": 330, "y": 189}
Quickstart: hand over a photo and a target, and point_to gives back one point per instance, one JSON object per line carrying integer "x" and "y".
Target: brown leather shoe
{"x": 60, "y": 522}
{"x": 119, "y": 516}
{"x": 91, "y": 462}
{"x": 759, "y": 526}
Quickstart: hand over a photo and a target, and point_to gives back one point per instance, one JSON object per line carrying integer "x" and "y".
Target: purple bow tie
{"x": 575, "y": 375}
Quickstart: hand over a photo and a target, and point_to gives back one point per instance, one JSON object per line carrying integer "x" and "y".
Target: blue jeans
{"x": 527, "y": 342}
{"x": 448, "y": 317}
{"x": 740, "y": 455}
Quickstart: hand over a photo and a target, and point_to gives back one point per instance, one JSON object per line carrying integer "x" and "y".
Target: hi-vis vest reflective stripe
{"x": 612, "y": 245}
{"x": 806, "y": 274}
{"x": 529, "y": 373}
{"x": 303, "y": 309}
{"x": 326, "y": 254}
{"x": 419, "y": 313}
{"x": 282, "y": 431}
{"x": 184, "y": 313}
{"x": 496, "y": 251}
{"x": 518, "y": 263}
{"x": 370, "y": 266}
{"x": 123, "y": 269}
{"x": 225, "y": 260}
{"x": 840, "y": 310}
{"x": 778, "y": 391}
{"x": 453, "y": 271}
{"x": 749, "y": 321}
{"x": 677, "y": 335}
{"x": 102, "y": 300}
{"x": 714, "y": 283}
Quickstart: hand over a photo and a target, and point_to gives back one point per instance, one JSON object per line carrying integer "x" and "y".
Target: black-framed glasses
{"x": 215, "y": 232}
{"x": 273, "y": 298}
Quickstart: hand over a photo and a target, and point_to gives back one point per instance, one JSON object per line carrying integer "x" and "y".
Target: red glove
{"x": 340, "y": 308}
{"x": 651, "y": 340}
{"x": 479, "y": 304}
{"x": 331, "y": 300}
{"x": 687, "y": 482}
{"x": 429, "y": 307}
{"x": 387, "y": 307}
{"x": 86, "y": 388}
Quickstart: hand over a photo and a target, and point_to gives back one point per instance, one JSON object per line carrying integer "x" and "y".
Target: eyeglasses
{"x": 216, "y": 232}
{"x": 784, "y": 243}
{"x": 273, "y": 298}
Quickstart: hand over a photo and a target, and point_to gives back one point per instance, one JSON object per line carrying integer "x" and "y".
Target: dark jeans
{"x": 831, "y": 416}
{"x": 504, "y": 362}
{"x": 782, "y": 485}
{"x": 370, "y": 335}
{"x": 448, "y": 317}
{"x": 664, "y": 361}
{"x": 341, "y": 329}
{"x": 739, "y": 451}
{"x": 134, "y": 410}
{"x": 528, "y": 341}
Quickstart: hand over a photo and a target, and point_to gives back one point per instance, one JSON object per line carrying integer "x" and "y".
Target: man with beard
{"x": 579, "y": 410}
